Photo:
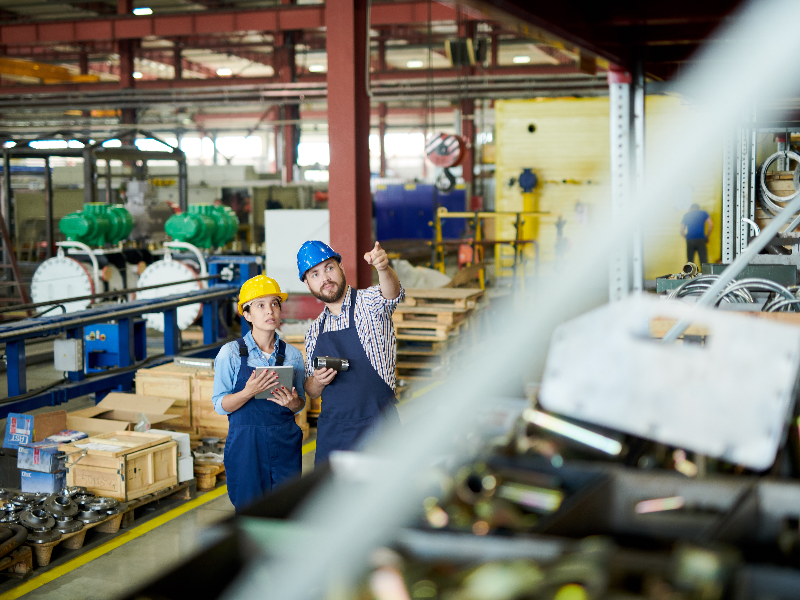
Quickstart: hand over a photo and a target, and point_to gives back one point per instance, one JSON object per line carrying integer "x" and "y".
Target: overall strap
{"x": 279, "y": 358}
{"x": 243, "y": 351}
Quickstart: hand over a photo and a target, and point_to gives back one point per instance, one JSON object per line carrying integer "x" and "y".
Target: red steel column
{"x": 467, "y": 106}
{"x": 349, "y": 197}
{"x": 285, "y": 69}
{"x": 382, "y": 108}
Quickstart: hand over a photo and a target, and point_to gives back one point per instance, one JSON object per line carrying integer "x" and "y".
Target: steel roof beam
{"x": 272, "y": 19}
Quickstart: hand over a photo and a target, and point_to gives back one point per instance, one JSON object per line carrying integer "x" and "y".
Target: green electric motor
{"x": 97, "y": 224}
{"x": 204, "y": 226}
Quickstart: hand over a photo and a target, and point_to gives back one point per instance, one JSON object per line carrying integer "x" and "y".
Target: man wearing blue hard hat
{"x": 356, "y": 326}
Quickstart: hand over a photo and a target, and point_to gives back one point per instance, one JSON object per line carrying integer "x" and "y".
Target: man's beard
{"x": 335, "y": 294}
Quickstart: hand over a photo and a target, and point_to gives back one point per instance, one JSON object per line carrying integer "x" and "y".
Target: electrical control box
{"x": 68, "y": 354}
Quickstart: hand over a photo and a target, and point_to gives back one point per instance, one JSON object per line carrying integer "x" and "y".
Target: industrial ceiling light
{"x": 137, "y": 75}
{"x": 522, "y": 59}
{"x": 224, "y": 72}
{"x": 316, "y": 68}
{"x": 141, "y": 12}
{"x": 414, "y": 64}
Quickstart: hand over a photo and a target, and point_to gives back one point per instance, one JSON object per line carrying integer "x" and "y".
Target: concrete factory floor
{"x": 136, "y": 556}
{"x": 112, "y": 567}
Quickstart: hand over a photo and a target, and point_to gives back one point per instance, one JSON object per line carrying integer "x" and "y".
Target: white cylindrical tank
{"x": 166, "y": 271}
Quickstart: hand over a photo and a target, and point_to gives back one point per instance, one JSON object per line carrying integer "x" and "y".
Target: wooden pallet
{"x": 429, "y": 331}
{"x": 424, "y": 347}
{"x": 182, "y": 491}
{"x": 17, "y": 564}
{"x": 443, "y": 298}
{"x": 74, "y": 541}
{"x": 420, "y": 371}
{"x": 413, "y": 355}
{"x": 429, "y": 314}
{"x": 206, "y": 474}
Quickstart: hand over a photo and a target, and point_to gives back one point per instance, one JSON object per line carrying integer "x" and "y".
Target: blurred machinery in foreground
{"x": 638, "y": 489}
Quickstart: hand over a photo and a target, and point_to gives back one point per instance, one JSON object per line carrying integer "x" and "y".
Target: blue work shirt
{"x": 227, "y": 363}
{"x": 695, "y": 222}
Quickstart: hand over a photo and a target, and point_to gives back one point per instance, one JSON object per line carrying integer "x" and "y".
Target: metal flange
{"x": 67, "y": 525}
{"x": 83, "y": 501}
{"x": 6, "y": 494}
{"x": 44, "y": 537}
{"x": 61, "y": 506}
{"x": 103, "y": 504}
{"x": 37, "y": 519}
{"x": 113, "y": 511}
{"x": 90, "y": 516}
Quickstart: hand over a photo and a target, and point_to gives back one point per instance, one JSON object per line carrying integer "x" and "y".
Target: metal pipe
{"x": 20, "y": 535}
{"x": 103, "y": 294}
{"x": 738, "y": 265}
{"x": 109, "y": 315}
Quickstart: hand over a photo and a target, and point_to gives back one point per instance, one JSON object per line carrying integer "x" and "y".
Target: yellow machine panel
{"x": 565, "y": 141}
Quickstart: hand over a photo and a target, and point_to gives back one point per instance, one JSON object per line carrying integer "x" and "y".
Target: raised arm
{"x": 387, "y": 278}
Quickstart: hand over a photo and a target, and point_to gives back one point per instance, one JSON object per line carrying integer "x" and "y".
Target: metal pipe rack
{"x": 234, "y": 269}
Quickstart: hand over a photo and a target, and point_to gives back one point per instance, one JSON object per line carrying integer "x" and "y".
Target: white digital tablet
{"x": 285, "y": 376}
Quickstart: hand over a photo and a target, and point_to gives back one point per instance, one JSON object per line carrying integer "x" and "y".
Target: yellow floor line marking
{"x": 420, "y": 392}
{"x": 118, "y": 541}
{"x": 312, "y": 445}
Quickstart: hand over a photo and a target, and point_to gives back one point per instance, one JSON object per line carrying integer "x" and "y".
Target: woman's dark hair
{"x": 246, "y": 309}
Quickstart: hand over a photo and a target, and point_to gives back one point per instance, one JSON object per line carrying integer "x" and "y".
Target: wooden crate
{"x": 780, "y": 183}
{"x": 123, "y": 464}
{"x": 174, "y": 382}
{"x": 443, "y": 297}
{"x": 207, "y": 421}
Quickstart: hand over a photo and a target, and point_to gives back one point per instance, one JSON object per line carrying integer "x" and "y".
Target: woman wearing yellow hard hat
{"x": 264, "y": 445}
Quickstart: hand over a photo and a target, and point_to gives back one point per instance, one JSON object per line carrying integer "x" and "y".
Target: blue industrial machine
{"x": 101, "y": 345}
{"x": 406, "y": 211}
{"x": 110, "y": 360}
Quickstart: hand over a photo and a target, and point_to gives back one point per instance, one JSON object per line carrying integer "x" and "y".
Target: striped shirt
{"x": 373, "y": 316}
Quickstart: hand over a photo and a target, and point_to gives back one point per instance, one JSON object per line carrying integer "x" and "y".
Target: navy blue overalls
{"x": 264, "y": 445}
{"x": 357, "y": 400}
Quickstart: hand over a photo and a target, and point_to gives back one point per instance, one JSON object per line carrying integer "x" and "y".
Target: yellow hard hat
{"x": 257, "y": 287}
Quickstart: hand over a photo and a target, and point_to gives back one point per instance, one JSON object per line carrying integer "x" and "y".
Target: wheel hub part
{"x": 9, "y": 516}
{"x": 67, "y": 525}
{"x": 73, "y": 491}
{"x": 90, "y": 516}
{"x": 6, "y": 494}
{"x": 61, "y": 506}
{"x": 43, "y": 537}
{"x": 103, "y": 503}
{"x": 37, "y": 519}
{"x": 113, "y": 511}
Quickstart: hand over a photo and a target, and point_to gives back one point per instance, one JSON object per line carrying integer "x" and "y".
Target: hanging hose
{"x": 20, "y": 535}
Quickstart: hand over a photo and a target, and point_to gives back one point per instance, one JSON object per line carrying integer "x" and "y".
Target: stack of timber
{"x": 431, "y": 327}
{"x": 192, "y": 388}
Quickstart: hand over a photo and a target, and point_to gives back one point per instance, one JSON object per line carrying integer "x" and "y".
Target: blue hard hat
{"x": 311, "y": 254}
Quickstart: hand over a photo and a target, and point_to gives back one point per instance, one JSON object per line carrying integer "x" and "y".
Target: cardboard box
{"x": 119, "y": 412}
{"x": 49, "y": 483}
{"x": 185, "y": 468}
{"x": 44, "y": 457}
{"x": 18, "y": 428}
{"x": 184, "y": 441}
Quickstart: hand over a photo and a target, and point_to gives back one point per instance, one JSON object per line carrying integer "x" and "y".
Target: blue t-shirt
{"x": 695, "y": 222}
